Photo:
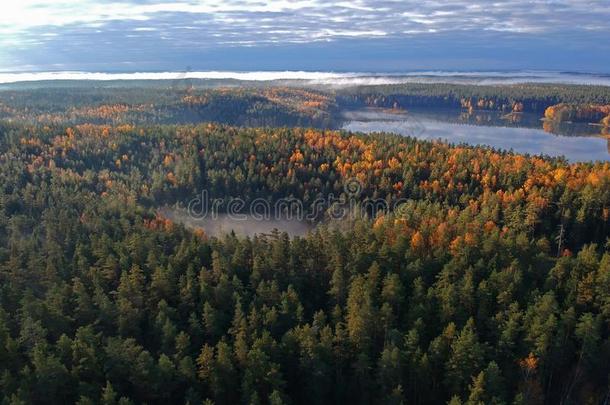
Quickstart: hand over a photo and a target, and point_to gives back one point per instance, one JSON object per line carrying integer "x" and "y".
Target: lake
{"x": 242, "y": 224}
{"x": 247, "y": 225}
{"x": 523, "y": 133}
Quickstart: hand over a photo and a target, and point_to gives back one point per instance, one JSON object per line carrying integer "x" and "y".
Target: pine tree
{"x": 465, "y": 359}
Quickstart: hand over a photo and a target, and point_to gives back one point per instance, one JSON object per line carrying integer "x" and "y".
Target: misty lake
{"x": 242, "y": 225}
{"x": 523, "y": 133}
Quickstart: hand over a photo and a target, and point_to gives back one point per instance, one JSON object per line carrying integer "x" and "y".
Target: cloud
{"x": 67, "y": 26}
{"x": 327, "y": 78}
{"x": 322, "y": 19}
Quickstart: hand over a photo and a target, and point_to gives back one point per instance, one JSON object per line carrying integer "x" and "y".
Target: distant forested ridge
{"x": 490, "y": 285}
{"x": 509, "y": 98}
{"x": 182, "y": 102}
{"x": 173, "y": 103}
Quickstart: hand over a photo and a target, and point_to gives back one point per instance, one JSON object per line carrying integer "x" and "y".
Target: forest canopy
{"x": 490, "y": 284}
{"x": 290, "y": 104}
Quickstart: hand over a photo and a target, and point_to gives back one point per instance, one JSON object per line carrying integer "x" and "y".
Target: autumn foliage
{"x": 487, "y": 281}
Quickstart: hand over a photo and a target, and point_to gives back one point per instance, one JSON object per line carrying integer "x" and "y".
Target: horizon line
{"x": 328, "y": 77}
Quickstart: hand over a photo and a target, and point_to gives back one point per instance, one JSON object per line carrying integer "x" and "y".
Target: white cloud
{"x": 24, "y": 23}
{"x": 326, "y": 33}
{"x": 325, "y": 78}
{"x": 24, "y": 14}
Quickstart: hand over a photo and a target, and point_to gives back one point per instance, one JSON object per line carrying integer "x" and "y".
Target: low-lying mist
{"x": 221, "y": 224}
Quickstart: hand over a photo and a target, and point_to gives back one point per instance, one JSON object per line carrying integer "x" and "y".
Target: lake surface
{"x": 242, "y": 225}
{"x": 523, "y": 133}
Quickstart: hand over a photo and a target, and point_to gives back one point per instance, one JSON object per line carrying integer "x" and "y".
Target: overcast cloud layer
{"x": 311, "y": 35}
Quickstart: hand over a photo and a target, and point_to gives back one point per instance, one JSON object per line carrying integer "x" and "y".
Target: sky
{"x": 316, "y": 35}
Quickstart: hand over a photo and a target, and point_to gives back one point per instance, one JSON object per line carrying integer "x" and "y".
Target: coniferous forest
{"x": 489, "y": 285}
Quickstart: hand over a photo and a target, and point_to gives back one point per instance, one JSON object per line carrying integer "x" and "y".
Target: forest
{"x": 289, "y": 104}
{"x": 488, "y": 284}
{"x": 518, "y": 97}
{"x": 179, "y": 102}
{"x": 556, "y": 103}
